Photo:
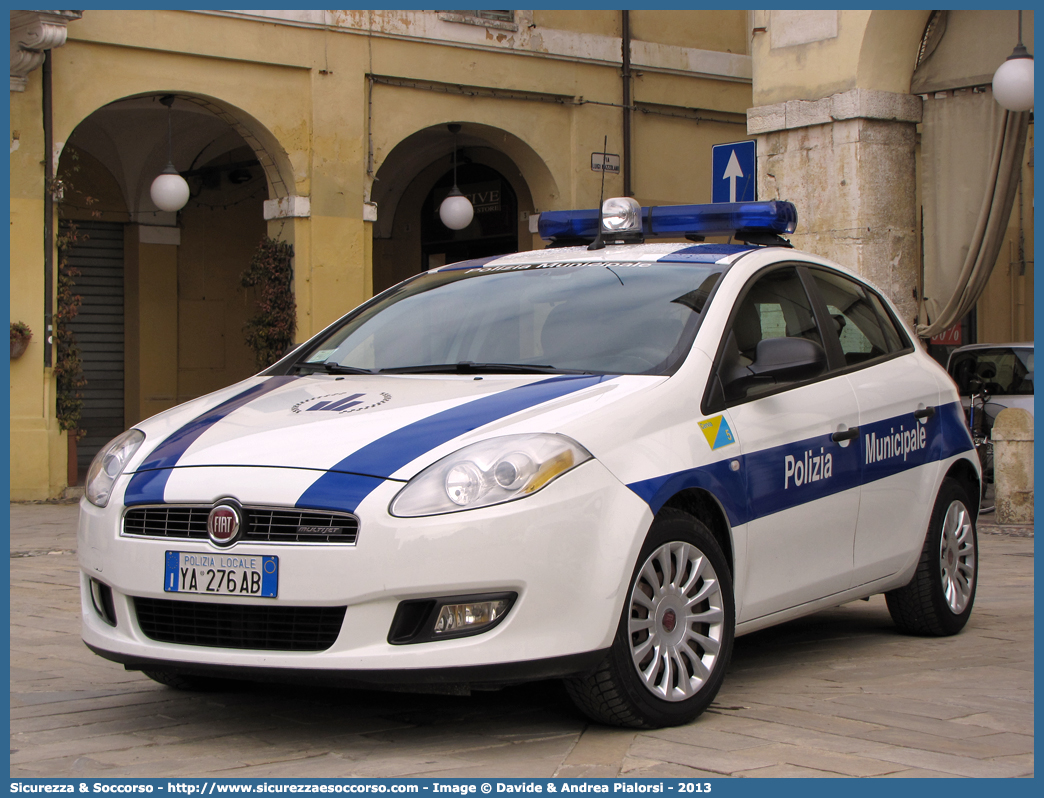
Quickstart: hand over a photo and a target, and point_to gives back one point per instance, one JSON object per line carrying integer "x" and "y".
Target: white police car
{"x": 597, "y": 461}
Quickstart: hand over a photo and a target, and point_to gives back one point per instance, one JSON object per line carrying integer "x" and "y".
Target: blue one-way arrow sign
{"x": 733, "y": 172}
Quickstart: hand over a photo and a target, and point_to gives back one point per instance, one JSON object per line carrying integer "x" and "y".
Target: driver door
{"x": 800, "y": 458}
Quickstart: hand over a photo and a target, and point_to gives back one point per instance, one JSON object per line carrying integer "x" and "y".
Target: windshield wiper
{"x": 337, "y": 368}
{"x": 331, "y": 368}
{"x": 467, "y": 367}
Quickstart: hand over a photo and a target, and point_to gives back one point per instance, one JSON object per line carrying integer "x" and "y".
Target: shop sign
{"x": 952, "y": 337}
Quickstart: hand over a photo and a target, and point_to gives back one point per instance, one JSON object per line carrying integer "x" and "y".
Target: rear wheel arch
{"x": 938, "y": 599}
{"x": 702, "y": 505}
{"x": 963, "y": 472}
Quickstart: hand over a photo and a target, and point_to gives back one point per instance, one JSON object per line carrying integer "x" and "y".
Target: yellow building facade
{"x": 328, "y": 130}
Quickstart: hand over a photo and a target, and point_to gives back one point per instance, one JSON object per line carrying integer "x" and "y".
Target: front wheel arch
{"x": 674, "y": 638}
{"x": 702, "y": 506}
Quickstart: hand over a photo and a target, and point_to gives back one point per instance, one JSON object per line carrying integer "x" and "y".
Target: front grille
{"x": 257, "y": 627}
{"x": 262, "y": 524}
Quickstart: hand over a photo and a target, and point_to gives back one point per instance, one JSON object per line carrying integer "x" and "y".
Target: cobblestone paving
{"x": 836, "y": 694}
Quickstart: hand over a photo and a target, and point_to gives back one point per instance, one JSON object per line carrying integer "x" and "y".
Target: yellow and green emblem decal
{"x": 716, "y": 431}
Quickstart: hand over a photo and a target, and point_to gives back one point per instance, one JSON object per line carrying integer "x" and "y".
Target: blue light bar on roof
{"x": 677, "y": 221}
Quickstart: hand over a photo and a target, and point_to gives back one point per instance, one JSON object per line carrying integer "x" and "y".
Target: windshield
{"x": 620, "y": 318}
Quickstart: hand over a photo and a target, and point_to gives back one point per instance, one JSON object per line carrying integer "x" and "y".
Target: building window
{"x": 500, "y": 19}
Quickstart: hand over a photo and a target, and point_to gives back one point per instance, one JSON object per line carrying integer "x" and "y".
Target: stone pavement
{"x": 837, "y": 694}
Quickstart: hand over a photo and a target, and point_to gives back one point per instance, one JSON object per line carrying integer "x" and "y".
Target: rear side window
{"x": 864, "y": 327}
{"x": 1005, "y": 371}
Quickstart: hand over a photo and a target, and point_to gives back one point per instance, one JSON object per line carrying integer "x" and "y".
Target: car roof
{"x": 971, "y": 347}
{"x": 659, "y": 252}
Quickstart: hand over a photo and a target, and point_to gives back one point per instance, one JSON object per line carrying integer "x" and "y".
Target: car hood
{"x": 386, "y": 426}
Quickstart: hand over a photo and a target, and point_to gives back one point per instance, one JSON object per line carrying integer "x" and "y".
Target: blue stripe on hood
{"x": 147, "y": 484}
{"x": 387, "y": 455}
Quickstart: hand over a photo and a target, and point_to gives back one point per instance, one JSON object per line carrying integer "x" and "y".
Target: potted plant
{"x": 270, "y": 333}
{"x": 20, "y": 337}
{"x": 68, "y": 360}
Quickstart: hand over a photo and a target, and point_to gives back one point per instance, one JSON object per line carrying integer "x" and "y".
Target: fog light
{"x": 101, "y": 598}
{"x": 470, "y": 616}
{"x": 427, "y": 619}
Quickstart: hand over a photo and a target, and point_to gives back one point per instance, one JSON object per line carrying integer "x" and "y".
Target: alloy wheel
{"x": 957, "y": 560}
{"x": 676, "y": 621}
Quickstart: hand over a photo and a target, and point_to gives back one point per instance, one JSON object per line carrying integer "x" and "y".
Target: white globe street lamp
{"x": 169, "y": 191}
{"x": 456, "y": 211}
{"x": 1013, "y": 80}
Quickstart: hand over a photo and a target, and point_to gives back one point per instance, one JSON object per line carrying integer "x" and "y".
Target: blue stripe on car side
{"x": 727, "y": 486}
{"x": 946, "y": 432}
{"x": 769, "y": 488}
{"x": 150, "y": 478}
{"x": 387, "y": 455}
{"x": 770, "y": 491}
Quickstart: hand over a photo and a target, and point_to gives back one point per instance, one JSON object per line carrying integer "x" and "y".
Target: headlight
{"x": 489, "y": 472}
{"x": 109, "y": 463}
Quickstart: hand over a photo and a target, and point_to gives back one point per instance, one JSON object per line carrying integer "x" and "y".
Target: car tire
{"x": 191, "y": 682}
{"x": 938, "y": 600}
{"x": 668, "y": 659}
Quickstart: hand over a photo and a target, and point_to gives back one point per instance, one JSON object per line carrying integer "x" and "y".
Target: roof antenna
{"x": 598, "y": 243}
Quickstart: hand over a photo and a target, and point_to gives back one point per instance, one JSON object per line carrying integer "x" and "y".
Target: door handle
{"x": 845, "y": 435}
{"x": 925, "y": 412}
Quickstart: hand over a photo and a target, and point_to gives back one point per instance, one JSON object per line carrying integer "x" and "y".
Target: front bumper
{"x": 567, "y": 551}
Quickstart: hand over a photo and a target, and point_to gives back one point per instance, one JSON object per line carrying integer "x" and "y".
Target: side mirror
{"x": 778, "y": 360}
{"x": 788, "y": 359}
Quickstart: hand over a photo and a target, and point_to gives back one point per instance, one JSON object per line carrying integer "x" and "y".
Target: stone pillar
{"x": 847, "y": 163}
{"x": 1013, "y": 466}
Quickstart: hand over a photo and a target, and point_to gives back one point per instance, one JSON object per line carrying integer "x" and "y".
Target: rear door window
{"x": 863, "y": 325}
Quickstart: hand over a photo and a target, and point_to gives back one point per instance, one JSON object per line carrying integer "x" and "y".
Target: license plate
{"x": 221, "y": 574}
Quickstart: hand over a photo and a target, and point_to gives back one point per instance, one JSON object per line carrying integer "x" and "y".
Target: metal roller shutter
{"x": 98, "y": 328}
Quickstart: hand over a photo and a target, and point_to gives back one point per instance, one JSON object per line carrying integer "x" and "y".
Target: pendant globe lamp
{"x": 1013, "y": 80}
{"x": 169, "y": 190}
{"x": 456, "y": 211}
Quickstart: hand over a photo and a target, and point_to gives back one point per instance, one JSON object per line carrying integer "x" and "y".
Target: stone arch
{"x": 272, "y": 156}
{"x": 417, "y": 151}
{"x": 415, "y": 164}
{"x": 888, "y": 51}
{"x": 270, "y": 153}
